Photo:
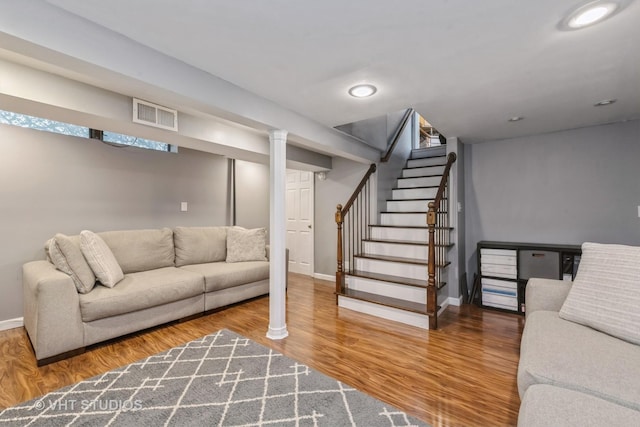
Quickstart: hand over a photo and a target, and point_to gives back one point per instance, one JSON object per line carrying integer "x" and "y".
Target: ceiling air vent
{"x": 154, "y": 115}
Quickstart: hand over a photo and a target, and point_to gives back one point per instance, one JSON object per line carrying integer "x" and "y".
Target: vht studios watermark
{"x": 88, "y": 405}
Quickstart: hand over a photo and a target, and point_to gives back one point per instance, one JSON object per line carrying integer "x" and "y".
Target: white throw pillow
{"x": 100, "y": 258}
{"x": 66, "y": 255}
{"x": 246, "y": 245}
{"x": 606, "y": 292}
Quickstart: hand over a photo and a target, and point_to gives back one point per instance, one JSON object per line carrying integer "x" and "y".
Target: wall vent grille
{"x": 154, "y": 115}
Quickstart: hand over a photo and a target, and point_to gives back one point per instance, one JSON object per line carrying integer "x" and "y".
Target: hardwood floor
{"x": 463, "y": 374}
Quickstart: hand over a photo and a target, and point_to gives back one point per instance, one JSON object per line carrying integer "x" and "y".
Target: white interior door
{"x": 300, "y": 221}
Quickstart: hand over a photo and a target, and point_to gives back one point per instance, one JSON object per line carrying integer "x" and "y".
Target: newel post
{"x": 432, "y": 294}
{"x": 339, "y": 271}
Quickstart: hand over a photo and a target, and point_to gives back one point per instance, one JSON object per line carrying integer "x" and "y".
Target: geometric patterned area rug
{"x": 223, "y": 379}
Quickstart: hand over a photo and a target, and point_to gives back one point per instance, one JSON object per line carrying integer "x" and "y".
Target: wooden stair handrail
{"x": 341, "y": 212}
{"x": 432, "y": 293}
{"x": 359, "y": 188}
{"x": 396, "y": 135}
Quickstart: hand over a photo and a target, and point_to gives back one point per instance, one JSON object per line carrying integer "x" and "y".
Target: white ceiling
{"x": 467, "y": 66}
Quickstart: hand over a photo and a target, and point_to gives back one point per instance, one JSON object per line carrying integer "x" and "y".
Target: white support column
{"x": 278, "y": 234}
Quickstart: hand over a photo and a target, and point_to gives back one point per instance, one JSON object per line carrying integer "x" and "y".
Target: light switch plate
{"x": 184, "y": 206}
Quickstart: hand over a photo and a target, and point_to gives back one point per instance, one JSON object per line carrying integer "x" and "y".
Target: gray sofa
{"x": 570, "y": 374}
{"x": 168, "y": 275}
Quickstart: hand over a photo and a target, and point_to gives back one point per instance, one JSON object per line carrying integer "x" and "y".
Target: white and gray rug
{"x": 223, "y": 379}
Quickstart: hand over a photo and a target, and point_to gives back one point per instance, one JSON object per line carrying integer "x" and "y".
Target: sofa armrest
{"x": 51, "y": 310}
{"x": 546, "y": 294}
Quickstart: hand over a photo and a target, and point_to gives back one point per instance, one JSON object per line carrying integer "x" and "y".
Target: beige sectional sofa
{"x": 167, "y": 275}
{"x": 580, "y": 355}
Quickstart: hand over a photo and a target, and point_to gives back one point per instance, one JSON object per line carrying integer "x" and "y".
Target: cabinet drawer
{"x": 503, "y": 285}
{"x": 498, "y": 252}
{"x": 506, "y": 271}
{"x": 498, "y": 259}
{"x": 500, "y": 301}
{"x": 543, "y": 264}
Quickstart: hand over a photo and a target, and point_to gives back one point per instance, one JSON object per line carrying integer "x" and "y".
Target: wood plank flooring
{"x": 463, "y": 374}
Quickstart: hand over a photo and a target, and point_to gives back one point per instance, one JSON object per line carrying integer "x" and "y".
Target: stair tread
{"x": 430, "y": 157}
{"x": 403, "y": 242}
{"x": 410, "y": 212}
{"x": 427, "y": 166}
{"x": 419, "y": 177}
{"x": 413, "y": 188}
{"x": 389, "y": 278}
{"x": 410, "y": 226}
{"x": 415, "y": 261}
{"x": 393, "y": 279}
{"x": 410, "y": 200}
{"x": 387, "y": 301}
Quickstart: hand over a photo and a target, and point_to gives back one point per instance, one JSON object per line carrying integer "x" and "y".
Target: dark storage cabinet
{"x": 504, "y": 269}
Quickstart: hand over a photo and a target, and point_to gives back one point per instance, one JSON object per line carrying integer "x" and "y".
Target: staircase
{"x": 386, "y": 271}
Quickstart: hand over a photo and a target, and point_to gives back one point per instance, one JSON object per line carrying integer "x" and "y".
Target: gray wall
{"x": 336, "y": 189}
{"x": 565, "y": 187}
{"x": 54, "y": 183}
{"x": 252, "y": 194}
{"x": 388, "y": 172}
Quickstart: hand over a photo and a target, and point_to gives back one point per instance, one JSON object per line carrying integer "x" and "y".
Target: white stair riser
{"x": 404, "y": 219}
{"x": 414, "y": 193}
{"x": 419, "y": 182}
{"x": 388, "y": 289}
{"x": 426, "y": 171}
{"x": 420, "y": 153}
{"x": 395, "y": 249}
{"x": 407, "y": 205}
{"x": 408, "y": 234}
{"x": 426, "y": 161}
{"x": 390, "y": 313}
{"x": 400, "y": 269}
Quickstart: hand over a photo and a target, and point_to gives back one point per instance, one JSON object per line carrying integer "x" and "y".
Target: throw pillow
{"x": 100, "y": 258}
{"x": 199, "y": 245}
{"x": 606, "y": 292}
{"x": 246, "y": 245}
{"x": 66, "y": 255}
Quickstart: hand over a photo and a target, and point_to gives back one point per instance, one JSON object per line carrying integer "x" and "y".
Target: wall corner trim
{"x": 11, "y": 323}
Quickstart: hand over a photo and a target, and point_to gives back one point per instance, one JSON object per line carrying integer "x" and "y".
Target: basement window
{"x": 38, "y": 123}
{"x": 47, "y": 125}
{"x": 120, "y": 139}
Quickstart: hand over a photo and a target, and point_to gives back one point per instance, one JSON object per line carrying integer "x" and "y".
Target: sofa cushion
{"x": 545, "y": 406}
{"x": 606, "y": 292}
{"x": 100, "y": 258}
{"x": 141, "y": 290}
{"x": 565, "y": 354}
{"x": 197, "y": 245}
{"x": 66, "y": 255}
{"x": 141, "y": 250}
{"x": 246, "y": 245}
{"x": 221, "y": 275}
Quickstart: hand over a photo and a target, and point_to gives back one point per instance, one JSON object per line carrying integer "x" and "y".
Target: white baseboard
{"x": 455, "y": 301}
{"x": 449, "y": 301}
{"x": 326, "y": 277}
{"x": 11, "y": 323}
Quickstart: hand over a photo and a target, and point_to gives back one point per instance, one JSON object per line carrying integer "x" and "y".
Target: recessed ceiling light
{"x": 516, "y": 118}
{"x": 590, "y": 13}
{"x": 604, "y": 102}
{"x": 362, "y": 91}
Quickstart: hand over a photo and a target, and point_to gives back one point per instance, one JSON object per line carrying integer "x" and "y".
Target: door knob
{"x": 309, "y": 226}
